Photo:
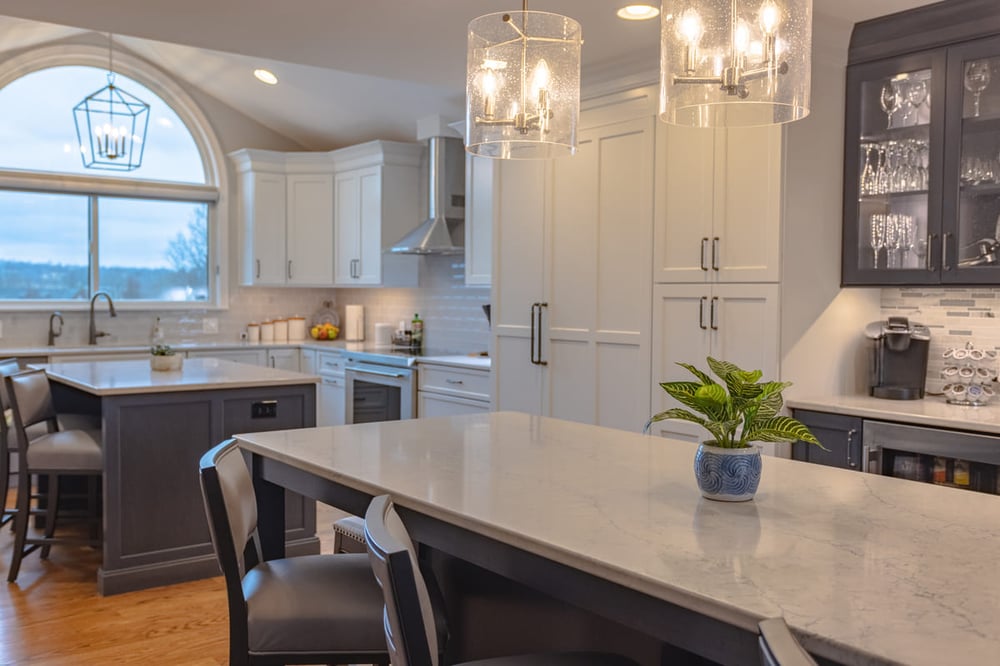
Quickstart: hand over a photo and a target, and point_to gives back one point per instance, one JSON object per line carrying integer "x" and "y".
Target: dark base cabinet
{"x": 840, "y": 434}
{"x": 155, "y": 530}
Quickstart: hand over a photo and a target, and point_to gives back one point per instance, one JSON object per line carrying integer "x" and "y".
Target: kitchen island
{"x": 155, "y": 427}
{"x": 865, "y": 569}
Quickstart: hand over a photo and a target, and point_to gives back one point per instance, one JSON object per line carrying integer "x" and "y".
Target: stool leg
{"x": 51, "y": 512}
{"x": 20, "y": 527}
{"x": 5, "y": 514}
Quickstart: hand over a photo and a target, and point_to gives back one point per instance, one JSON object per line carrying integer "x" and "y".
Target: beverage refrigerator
{"x": 957, "y": 459}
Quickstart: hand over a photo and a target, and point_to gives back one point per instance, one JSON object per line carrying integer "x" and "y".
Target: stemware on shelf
{"x": 977, "y": 79}
{"x": 916, "y": 95}
{"x": 889, "y": 99}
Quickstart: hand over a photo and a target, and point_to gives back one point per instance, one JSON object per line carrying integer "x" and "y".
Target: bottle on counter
{"x": 417, "y": 331}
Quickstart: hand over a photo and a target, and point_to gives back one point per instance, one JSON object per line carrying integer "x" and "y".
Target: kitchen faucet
{"x": 52, "y": 332}
{"x": 94, "y": 334}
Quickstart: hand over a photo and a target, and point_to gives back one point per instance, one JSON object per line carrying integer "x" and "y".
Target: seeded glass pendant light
{"x": 735, "y": 63}
{"x": 111, "y": 127}
{"x": 523, "y": 85}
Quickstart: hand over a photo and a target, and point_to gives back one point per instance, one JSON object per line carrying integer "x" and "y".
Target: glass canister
{"x": 280, "y": 330}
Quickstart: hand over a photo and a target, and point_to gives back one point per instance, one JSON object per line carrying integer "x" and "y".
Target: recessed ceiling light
{"x": 638, "y": 12}
{"x": 266, "y": 76}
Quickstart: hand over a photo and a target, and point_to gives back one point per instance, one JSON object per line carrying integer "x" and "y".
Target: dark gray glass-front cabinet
{"x": 922, "y": 151}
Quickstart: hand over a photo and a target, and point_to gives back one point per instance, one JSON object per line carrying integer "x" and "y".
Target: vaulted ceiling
{"x": 349, "y": 71}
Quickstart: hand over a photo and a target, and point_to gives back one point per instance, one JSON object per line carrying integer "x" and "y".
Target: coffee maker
{"x": 897, "y": 358}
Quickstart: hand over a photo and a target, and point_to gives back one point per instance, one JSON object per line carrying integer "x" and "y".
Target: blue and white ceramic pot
{"x": 729, "y": 475}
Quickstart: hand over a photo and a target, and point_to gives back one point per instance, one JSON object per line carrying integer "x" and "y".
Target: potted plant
{"x": 164, "y": 358}
{"x": 737, "y": 413}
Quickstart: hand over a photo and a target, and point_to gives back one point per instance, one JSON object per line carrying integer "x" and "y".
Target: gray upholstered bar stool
{"x": 297, "y": 610}
{"x": 410, "y": 630}
{"x": 53, "y": 454}
{"x": 778, "y": 646}
{"x": 8, "y": 445}
{"x": 349, "y": 535}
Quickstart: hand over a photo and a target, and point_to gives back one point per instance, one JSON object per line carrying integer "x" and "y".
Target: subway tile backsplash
{"x": 955, "y": 316}
{"x": 452, "y": 314}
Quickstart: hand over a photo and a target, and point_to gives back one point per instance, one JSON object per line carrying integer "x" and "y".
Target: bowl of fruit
{"x": 325, "y": 331}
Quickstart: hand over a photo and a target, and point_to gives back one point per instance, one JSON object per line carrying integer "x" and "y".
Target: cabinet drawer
{"x": 461, "y": 382}
{"x": 330, "y": 363}
{"x": 433, "y": 404}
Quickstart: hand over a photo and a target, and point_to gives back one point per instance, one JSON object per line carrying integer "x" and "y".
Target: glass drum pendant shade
{"x": 523, "y": 85}
{"x": 735, "y": 63}
{"x": 111, "y": 128}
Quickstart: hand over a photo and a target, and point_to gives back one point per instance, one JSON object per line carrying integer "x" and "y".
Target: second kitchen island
{"x": 156, "y": 426}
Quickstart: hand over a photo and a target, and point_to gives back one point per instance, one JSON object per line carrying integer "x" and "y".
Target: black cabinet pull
{"x": 289, "y": 269}
{"x": 944, "y": 252}
{"x": 850, "y": 440}
{"x": 704, "y": 246}
{"x": 715, "y": 253}
{"x": 714, "y": 313}
{"x": 928, "y": 260}
{"x": 258, "y": 268}
{"x": 701, "y": 313}
{"x": 532, "y": 345}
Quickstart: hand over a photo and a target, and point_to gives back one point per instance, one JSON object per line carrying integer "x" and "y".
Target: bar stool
{"x": 349, "y": 535}
{"x": 297, "y": 610}
{"x": 778, "y": 646}
{"x": 410, "y": 630}
{"x": 8, "y": 445}
{"x": 57, "y": 452}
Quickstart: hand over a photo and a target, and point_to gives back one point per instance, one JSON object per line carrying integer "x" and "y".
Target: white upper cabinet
{"x": 286, "y": 215}
{"x": 718, "y": 206}
{"x": 377, "y": 196}
{"x": 481, "y": 177}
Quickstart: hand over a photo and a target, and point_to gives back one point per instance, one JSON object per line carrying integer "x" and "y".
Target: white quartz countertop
{"x": 867, "y": 569}
{"x": 197, "y": 374}
{"x": 930, "y": 411}
{"x": 457, "y": 361}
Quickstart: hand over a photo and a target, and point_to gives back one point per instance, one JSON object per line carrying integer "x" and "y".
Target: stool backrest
{"x": 31, "y": 401}
{"x": 8, "y": 366}
{"x": 778, "y": 646}
{"x": 410, "y": 631}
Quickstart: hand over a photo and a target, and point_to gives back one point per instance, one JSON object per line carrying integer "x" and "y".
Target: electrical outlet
{"x": 265, "y": 409}
{"x": 209, "y": 325}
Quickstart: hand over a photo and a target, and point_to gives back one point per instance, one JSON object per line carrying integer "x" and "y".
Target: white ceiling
{"x": 349, "y": 71}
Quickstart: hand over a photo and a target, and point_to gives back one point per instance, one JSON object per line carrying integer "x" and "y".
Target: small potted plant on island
{"x": 737, "y": 413}
{"x": 164, "y": 358}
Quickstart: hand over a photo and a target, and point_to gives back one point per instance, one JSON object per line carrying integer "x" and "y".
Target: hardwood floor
{"x": 53, "y": 615}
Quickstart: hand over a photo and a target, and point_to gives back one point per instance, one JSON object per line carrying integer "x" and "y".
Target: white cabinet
{"x": 718, "y": 204}
{"x": 573, "y": 269}
{"x": 307, "y": 361}
{"x": 733, "y": 322}
{"x": 248, "y": 356}
{"x": 286, "y": 215}
{"x": 377, "y": 195}
{"x": 283, "y": 359}
{"x": 445, "y": 390}
{"x": 330, "y": 396}
{"x": 480, "y": 185}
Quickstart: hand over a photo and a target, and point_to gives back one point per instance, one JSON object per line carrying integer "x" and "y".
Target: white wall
{"x": 822, "y": 350}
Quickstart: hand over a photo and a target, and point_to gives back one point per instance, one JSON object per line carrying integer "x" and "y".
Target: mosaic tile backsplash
{"x": 955, "y": 316}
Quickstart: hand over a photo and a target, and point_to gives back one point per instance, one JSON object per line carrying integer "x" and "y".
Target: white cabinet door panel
{"x": 434, "y": 404}
{"x": 747, "y": 326}
{"x": 480, "y": 210}
{"x": 518, "y": 387}
{"x": 369, "y": 255}
{"x": 265, "y": 228}
{"x": 309, "y": 229}
{"x": 330, "y": 401}
{"x": 347, "y": 244}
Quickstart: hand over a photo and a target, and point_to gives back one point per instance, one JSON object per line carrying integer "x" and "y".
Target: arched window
{"x": 151, "y": 237}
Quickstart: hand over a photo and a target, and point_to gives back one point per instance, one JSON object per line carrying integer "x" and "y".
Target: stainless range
{"x": 381, "y": 385}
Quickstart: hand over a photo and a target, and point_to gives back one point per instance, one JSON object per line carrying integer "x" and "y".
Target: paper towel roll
{"x": 354, "y": 324}
{"x": 383, "y": 334}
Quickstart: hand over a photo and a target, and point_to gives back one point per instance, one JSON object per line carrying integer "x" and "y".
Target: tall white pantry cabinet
{"x": 593, "y": 293}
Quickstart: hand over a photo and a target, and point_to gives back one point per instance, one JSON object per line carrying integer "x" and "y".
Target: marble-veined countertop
{"x": 931, "y": 411}
{"x": 197, "y": 374}
{"x": 866, "y": 569}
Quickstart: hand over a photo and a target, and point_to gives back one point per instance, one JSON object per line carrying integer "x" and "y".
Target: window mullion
{"x": 94, "y": 253}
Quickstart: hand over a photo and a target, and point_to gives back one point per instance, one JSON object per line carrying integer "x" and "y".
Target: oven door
{"x": 379, "y": 393}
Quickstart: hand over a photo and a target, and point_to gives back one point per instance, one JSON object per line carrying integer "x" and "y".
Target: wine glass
{"x": 916, "y": 95}
{"x": 889, "y": 99}
{"x": 977, "y": 78}
{"x": 878, "y": 236}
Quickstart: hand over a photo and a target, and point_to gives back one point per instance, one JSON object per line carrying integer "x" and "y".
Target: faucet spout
{"x": 94, "y": 333}
{"x": 53, "y": 333}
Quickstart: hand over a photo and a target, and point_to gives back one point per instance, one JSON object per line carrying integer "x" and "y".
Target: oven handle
{"x": 380, "y": 373}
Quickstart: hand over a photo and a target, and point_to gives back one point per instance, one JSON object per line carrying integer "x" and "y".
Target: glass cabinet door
{"x": 971, "y": 239}
{"x": 893, "y": 152}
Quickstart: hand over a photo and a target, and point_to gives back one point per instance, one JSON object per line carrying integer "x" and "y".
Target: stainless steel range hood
{"x": 442, "y": 232}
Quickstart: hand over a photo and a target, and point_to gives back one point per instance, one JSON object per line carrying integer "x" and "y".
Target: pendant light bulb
{"x": 540, "y": 79}
{"x": 741, "y": 38}
{"x": 769, "y": 17}
{"x": 690, "y": 27}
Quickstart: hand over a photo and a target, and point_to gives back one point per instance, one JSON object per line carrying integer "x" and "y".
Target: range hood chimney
{"x": 445, "y": 202}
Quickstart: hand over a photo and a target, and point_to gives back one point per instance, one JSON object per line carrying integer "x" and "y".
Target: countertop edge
{"x": 931, "y": 411}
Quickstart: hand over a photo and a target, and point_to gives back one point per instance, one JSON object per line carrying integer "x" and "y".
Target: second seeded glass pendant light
{"x": 523, "y": 85}
{"x": 735, "y": 63}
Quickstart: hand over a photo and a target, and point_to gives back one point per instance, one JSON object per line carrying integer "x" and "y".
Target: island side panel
{"x": 155, "y": 527}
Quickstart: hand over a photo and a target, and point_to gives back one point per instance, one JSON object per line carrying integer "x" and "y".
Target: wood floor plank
{"x": 53, "y": 616}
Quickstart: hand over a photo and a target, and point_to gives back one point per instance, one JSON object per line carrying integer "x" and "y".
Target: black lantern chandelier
{"x": 111, "y": 126}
